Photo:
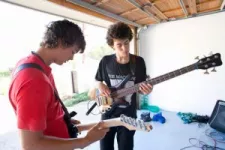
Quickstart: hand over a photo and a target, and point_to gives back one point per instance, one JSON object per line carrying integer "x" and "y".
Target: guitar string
{"x": 134, "y": 88}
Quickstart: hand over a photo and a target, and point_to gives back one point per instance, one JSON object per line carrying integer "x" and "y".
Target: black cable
{"x": 202, "y": 145}
{"x": 216, "y": 136}
{"x": 89, "y": 108}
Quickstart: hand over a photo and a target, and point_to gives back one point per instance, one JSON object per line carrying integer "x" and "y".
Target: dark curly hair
{"x": 64, "y": 32}
{"x": 118, "y": 30}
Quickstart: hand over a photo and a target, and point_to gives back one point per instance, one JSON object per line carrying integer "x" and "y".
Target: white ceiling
{"x": 52, "y": 8}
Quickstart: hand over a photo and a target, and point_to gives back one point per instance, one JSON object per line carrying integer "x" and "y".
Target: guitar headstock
{"x": 134, "y": 124}
{"x": 209, "y": 62}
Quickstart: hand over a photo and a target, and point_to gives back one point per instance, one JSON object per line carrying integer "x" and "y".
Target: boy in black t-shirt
{"x": 112, "y": 70}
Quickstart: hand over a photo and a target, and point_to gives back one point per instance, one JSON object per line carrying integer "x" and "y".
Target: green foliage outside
{"x": 76, "y": 98}
{"x": 100, "y": 51}
{"x": 4, "y": 74}
{"x": 4, "y": 82}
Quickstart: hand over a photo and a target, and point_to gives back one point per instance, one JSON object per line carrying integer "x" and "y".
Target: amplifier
{"x": 217, "y": 118}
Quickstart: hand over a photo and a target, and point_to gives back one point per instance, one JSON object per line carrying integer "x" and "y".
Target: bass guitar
{"x": 107, "y": 105}
{"x": 123, "y": 120}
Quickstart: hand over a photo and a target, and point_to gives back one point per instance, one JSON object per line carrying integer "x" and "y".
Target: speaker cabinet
{"x": 217, "y": 118}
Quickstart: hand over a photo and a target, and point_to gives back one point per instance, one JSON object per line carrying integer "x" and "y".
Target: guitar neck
{"x": 154, "y": 81}
{"x": 172, "y": 74}
{"x": 106, "y": 123}
{"x": 128, "y": 122}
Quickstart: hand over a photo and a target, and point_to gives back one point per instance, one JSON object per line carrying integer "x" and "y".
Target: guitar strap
{"x": 73, "y": 131}
{"x": 133, "y": 65}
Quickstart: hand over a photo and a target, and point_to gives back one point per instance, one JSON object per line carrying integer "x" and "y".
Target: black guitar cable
{"x": 90, "y": 109}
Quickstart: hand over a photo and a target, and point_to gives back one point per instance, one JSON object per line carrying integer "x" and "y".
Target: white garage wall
{"x": 169, "y": 46}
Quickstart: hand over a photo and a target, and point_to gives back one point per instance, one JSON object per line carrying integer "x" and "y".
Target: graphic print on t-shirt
{"x": 117, "y": 79}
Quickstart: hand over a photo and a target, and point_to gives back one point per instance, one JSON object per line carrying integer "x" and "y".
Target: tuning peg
{"x": 206, "y": 72}
{"x": 197, "y": 57}
{"x": 213, "y": 70}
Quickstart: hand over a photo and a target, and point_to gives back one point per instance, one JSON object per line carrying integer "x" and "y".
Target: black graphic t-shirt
{"x": 112, "y": 73}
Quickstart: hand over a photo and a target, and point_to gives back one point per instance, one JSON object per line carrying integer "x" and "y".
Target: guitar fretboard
{"x": 154, "y": 81}
{"x": 135, "y": 123}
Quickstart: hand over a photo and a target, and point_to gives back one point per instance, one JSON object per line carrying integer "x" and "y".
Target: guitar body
{"x": 115, "y": 99}
{"x": 108, "y": 105}
{"x": 117, "y": 106}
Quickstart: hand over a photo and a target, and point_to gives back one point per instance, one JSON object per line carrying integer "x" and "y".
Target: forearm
{"x": 84, "y": 127}
{"x": 92, "y": 92}
{"x": 49, "y": 143}
{"x": 98, "y": 83}
{"x": 105, "y": 124}
{"x": 53, "y": 143}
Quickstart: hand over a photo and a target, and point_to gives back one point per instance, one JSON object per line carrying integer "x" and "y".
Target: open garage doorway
{"x": 21, "y": 32}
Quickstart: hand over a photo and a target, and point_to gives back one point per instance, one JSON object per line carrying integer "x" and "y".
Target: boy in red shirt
{"x": 33, "y": 94}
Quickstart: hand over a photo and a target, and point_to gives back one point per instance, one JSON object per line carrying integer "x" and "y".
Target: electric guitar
{"x": 123, "y": 120}
{"x": 108, "y": 104}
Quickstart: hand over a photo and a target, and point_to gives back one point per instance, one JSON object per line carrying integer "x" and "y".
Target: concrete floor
{"x": 173, "y": 135}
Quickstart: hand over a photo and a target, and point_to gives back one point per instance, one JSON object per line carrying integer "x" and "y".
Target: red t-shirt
{"x": 32, "y": 97}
